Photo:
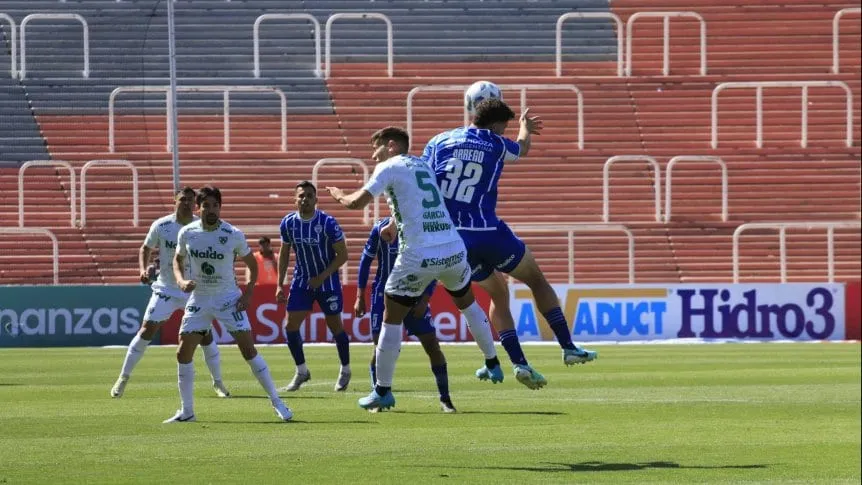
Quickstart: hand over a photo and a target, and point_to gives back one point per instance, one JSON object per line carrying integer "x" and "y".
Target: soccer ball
{"x": 480, "y": 91}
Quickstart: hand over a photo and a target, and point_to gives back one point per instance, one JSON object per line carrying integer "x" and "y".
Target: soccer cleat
{"x": 495, "y": 375}
{"x": 527, "y": 376}
{"x": 119, "y": 387}
{"x": 377, "y": 402}
{"x": 220, "y": 389}
{"x": 343, "y": 380}
{"x": 578, "y": 355}
{"x": 282, "y": 411}
{"x": 180, "y": 418}
{"x": 298, "y": 380}
{"x": 447, "y": 406}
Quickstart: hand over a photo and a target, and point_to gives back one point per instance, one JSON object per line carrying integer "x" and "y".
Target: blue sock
{"x": 510, "y": 342}
{"x": 373, "y": 369}
{"x": 441, "y": 375}
{"x": 342, "y": 343}
{"x": 294, "y": 342}
{"x": 558, "y": 324}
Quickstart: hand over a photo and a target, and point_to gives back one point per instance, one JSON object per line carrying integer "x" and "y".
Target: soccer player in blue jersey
{"x": 417, "y": 322}
{"x": 320, "y": 250}
{"x": 468, "y": 163}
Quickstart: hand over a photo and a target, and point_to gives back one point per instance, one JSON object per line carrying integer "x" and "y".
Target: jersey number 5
{"x": 425, "y": 183}
{"x": 454, "y": 187}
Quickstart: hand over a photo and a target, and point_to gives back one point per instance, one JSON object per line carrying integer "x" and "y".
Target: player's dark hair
{"x": 263, "y": 239}
{"x": 305, "y": 184}
{"x": 186, "y": 191}
{"x": 384, "y": 135}
{"x": 490, "y": 111}
{"x": 208, "y": 191}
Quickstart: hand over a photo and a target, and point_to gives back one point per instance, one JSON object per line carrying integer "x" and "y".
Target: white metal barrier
{"x": 225, "y": 90}
{"x": 13, "y": 41}
{"x": 359, "y": 15}
{"x": 54, "y": 16}
{"x": 803, "y": 142}
{"x": 687, "y": 158}
{"x": 589, "y": 15}
{"x": 46, "y": 163}
{"x": 120, "y": 163}
{"x": 274, "y": 233}
{"x": 782, "y": 242}
{"x": 55, "y": 247}
{"x": 606, "y": 184}
{"x": 571, "y": 229}
{"x": 286, "y": 16}
{"x": 523, "y": 89}
{"x": 365, "y": 174}
{"x": 835, "y": 34}
{"x": 666, "y": 16}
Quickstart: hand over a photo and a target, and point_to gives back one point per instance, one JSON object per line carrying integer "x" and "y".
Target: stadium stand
{"x": 56, "y": 113}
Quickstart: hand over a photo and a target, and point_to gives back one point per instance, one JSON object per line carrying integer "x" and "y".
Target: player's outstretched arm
{"x": 356, "y": 200}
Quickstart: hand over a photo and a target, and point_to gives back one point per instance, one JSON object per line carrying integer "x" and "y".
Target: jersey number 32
{"x": 460, "y": 181}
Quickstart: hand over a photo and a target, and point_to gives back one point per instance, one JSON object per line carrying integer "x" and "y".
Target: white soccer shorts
{"x": 414, "y": 269}
{"x": 201, "y": 310}
{"x": 163, "y": 304}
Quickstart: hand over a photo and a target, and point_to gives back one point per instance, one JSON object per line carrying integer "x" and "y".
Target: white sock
{"x": 480, "y": 328}
{"x": 388, "y": 348}
{"x": 136, "y": 350}
{"x": 261, "y": 373}
{"x": 213, "y": 360}
{"x": 186, "y": 382}
{"x": 302, "y": 368}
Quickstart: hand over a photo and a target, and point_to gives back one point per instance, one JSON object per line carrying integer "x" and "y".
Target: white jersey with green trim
{"x": 211, "y": 255}
{"x": 412, "y": 193}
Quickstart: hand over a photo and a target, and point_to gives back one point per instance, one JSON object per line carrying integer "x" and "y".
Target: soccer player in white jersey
{"x": 167, "y": 297}
{"x": 208, "y": 247}
{"x": 429, "y": 249}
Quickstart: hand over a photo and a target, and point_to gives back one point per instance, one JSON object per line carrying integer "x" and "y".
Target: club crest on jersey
{"x": 222, "y": 240}
{"x": 318, "y": 228}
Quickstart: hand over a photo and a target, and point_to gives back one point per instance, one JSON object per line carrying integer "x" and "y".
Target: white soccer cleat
{"x": 180, "y": 418}
{"x": 343, "y": 380}
{"x": 282, "y": 411}
{"x": 220, "y": 389}
{"x": 119, "y": 387}
{"x": 298, "y": 380}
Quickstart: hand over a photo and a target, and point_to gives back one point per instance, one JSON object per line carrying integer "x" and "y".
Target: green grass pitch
{"x": 759, "y": 413}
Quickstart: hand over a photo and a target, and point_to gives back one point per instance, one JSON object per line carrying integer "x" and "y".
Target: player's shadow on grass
{"x": 287, "y": 395}
{"x": 511, "y": 413}
{"x": 600, "y": 466}
{"x": 286, "y": 423}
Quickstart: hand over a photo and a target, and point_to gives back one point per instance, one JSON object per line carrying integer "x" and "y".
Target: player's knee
{"x": 149, "y": 330}
{"x": 208, "y": 338}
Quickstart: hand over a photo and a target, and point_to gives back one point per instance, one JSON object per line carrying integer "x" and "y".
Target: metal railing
{"x": 46, "y": 163}
{"x": 13, "y": 41}
{"x": 286, "y": 16}
{"x": 54, "y": 16}
{"x": 686, "y": 158}
{"x": 115, "y": 163}
{"x": 225, "y": 90}
{"x": 365, "y": 174}
{"x": 55, "y": 247}
{"x": 666, "y": 16}
{"x": 274, "y": 233}
{"x": 803, "y": 142}
{"x": 589, "y": 15}
{"x": 606, "y": 185}
{"x": 359, "y": 15}
{"x": 782, "y": 242}
{"x": 571, "y": 229}
{"x": 835, "y": 34}
{"x": 523, "y": 89}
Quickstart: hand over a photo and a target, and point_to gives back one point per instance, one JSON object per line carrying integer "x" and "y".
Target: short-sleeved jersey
{"x": 412, "y": 193}
{"x": 211, "y": 255}
{"x": 163, "y": 237}
{"x": 468, "y": 163}
{"x": 312, "y": 242}
{"x": 385, "y": 253}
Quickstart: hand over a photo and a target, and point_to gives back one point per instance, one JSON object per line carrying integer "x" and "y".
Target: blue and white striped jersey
{"x": 312, "y": 242}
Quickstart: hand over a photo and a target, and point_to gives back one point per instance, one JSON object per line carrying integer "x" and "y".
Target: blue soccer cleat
{"x": 579, "y": 355}
{"x": 528, "y": 376}
{"x": 375, "y": 402}
{"x": 494, "y": 375}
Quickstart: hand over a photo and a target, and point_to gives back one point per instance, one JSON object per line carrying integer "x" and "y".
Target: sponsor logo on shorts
{"x": 333, "y": 306}
{"x": 506, "y": 261}
{"x": 447, "y": 262}
{"x": 162, "y": 296}
{"x": 193, "y": 309}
